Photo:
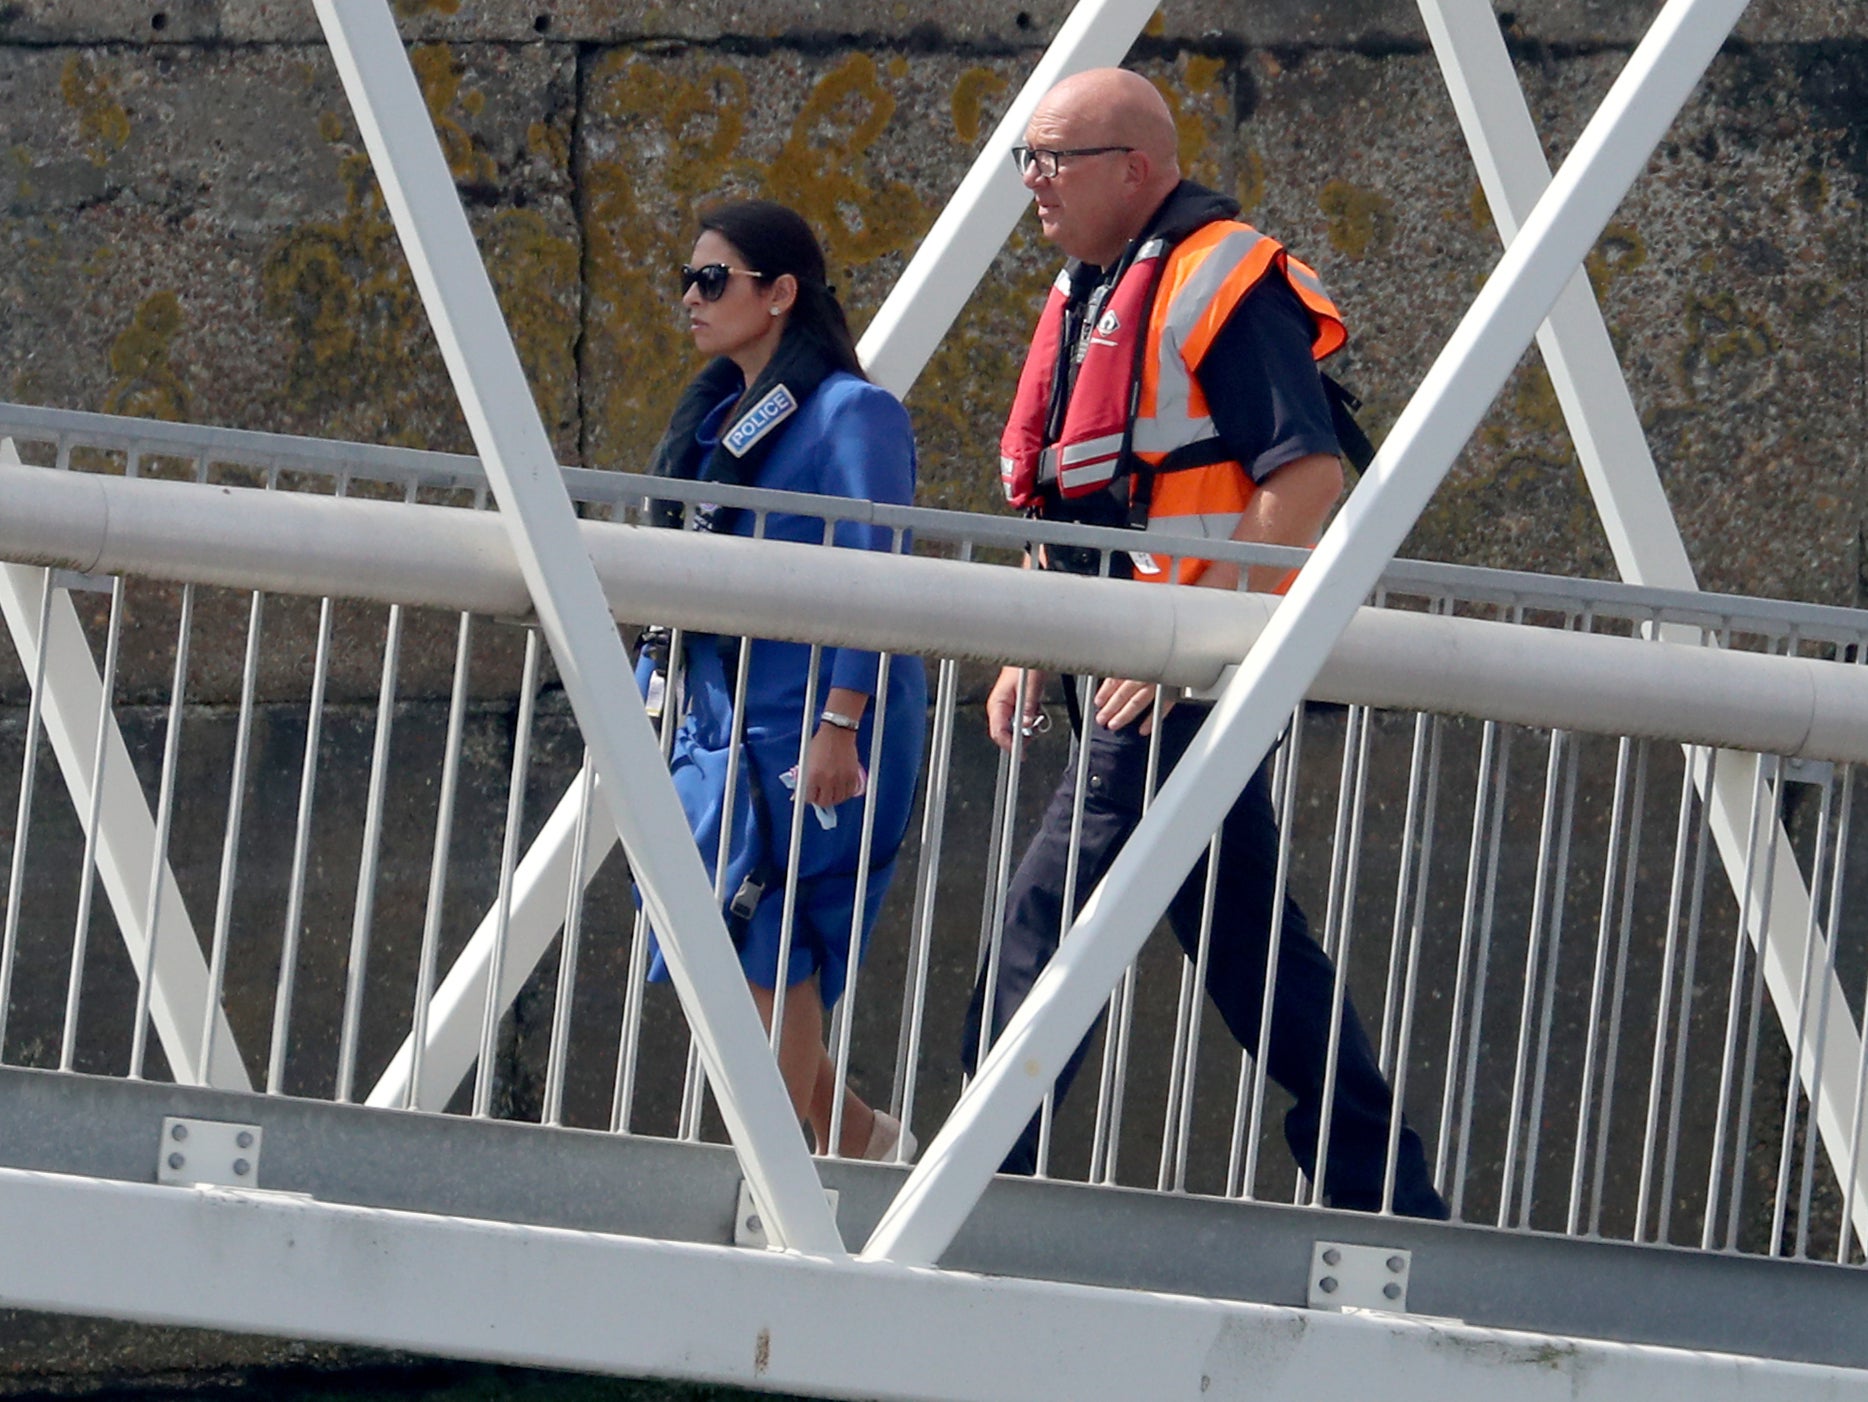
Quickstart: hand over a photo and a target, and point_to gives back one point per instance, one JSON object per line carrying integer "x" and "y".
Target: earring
{"x": 773, "y": 310}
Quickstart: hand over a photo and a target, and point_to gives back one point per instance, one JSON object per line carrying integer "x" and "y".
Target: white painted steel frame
{"x": 484, "y": 366}
{"x": 1442, "y": 415}
{"x": 1648, "y": 549}
{"x": 445, "y": 557}
{"x": 124, "y": 837}
{"x": 280, "y": 1265}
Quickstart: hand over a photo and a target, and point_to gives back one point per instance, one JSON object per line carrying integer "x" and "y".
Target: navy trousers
{"x": 1300, "y": 1017}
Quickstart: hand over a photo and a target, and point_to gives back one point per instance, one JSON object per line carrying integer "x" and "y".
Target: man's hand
{"x": 1119, "y": 702}
{"x": 1005, "y": 707}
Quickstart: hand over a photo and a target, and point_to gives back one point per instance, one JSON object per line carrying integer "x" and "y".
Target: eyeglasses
{"x": 712, "y": 279}
{"x": 1028, "y": 158}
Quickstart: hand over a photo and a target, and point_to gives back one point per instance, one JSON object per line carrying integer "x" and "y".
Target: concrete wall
{"x": 189, "y": 229}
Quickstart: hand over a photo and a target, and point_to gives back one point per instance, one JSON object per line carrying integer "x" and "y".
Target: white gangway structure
{"x": 1653, "y": 1148}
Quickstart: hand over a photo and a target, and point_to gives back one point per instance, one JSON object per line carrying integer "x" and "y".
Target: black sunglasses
{"x": 712, "y": 279}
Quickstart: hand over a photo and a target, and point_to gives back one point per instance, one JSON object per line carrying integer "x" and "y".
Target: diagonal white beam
{"x": 1648, "y": 549}
{"x": 986, "y": 206}
{"x": 71, "y": 701}
{"x": 1442, "y": 415}
{"x": 511, "y": 438}
{"x": 895, "y": 348}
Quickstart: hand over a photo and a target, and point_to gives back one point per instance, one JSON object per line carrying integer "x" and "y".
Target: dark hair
{"x": 776, "y": 240}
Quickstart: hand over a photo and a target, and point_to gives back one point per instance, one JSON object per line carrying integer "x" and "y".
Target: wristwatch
{"x": 841, "y": 721}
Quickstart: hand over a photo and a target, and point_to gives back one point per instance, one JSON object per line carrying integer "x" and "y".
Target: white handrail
{"x": 443, "y": 557}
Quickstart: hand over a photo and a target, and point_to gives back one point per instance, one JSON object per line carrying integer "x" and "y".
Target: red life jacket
{"x": 1136, "y": 398}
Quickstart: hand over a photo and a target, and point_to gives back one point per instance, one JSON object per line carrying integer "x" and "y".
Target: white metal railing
{"x": 1562, "y": 992}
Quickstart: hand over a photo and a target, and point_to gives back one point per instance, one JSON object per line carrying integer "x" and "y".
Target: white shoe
{"x": 885, "y": 1134}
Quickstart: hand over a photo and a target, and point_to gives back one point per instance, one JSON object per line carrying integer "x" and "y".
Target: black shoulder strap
{"x": 1349, "y": 435}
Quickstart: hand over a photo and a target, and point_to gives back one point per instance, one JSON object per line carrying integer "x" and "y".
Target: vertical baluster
{"x": 165, "y": 813}
{"x": 845, "y": 1018}
{"x": 1355, "y": 769}
{"x": 629, "y": 1039}
{"x": 365, "y": 909}
{"x": 230, "y": 847}
{"x": 1617, "y": 998}
{"x": 22, "y": 823}
{"x": 94, "y": 806}
{"x": 1481, "y": 972}
{"x": 445, "y": 804}
{"x": 1411, "y": 983}
{"x": 1534, "y": 947}
{"x": 1728, "y": 1063}
{"x": 1830, "y": 986}
{"x": 1468, "y": 928}
{"x": 1560, "y": 872}
{"x": 495, "y": 1004}
{"x": 1287, "y": 814}
{"x": 1106, "y": 1144}
{"x": 1676, "y": 895}
{"x": 1688, "y": 974}
{"x": 1185, "y": 1074}
{"x": 1793, "y": 1085}
{"x": 301, "y": 855}
{"x": 927, "y": 884}
{"x": 1598, "y": 984}
{"x": 558, "y": 1057}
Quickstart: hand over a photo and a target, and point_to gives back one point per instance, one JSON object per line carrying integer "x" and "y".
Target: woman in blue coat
{"x": 784, "y": 404}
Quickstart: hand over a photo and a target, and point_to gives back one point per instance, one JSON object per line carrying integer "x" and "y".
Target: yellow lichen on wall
{"x": 440, "y": 74}
{"x": 147, "y": 385}
{"x": 1619, "y": 251}
{"x": 411, "y": 9}
{"x": 976, "y": 85}
{"x": 680, "y": 134}
{"x": 362, "y": 361}
{"x": 1719, "y": 331}
{"x": 822, "y": 168}
{"x": 1361, "y": 221}
{"x": 103, "y": 124}
{"x": 676, "y": 135}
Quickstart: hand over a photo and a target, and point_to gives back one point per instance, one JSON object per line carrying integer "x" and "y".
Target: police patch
{"x": 760, "y": 420}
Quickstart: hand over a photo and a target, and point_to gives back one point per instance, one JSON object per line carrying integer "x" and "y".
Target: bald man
{"x": 1172, "y": 388}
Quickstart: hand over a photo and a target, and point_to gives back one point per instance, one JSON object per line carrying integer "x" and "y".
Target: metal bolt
{"x": 753, "y": 1224}
{"x": 1327, "y": 1285}
{"x": 178, "y": 1133}
{"x": 1332, "y": 1256}
{"x": 1391, "y": 1290}
{"x": 242, "y": 1168}
{"x": 176, "y": 1160}
{"x": 244, "y": 1139}
{"x": 1397, "y": 1264}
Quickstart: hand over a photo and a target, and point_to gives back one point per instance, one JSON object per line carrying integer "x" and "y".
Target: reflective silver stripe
{"x": 1077, "y": 453}
{"x": 1089, "y": 474}
{"x": 1062, "y": 284}
{"x": 1307, "y": 280}
{"x": 1172, "y": 424}
{"x": 1214, "y": 525}
{"x": 1164, "y": 433}
{"x": 1197, "y": 293}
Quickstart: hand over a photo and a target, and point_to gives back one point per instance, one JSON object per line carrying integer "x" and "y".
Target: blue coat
{"x": 849, "y": 439}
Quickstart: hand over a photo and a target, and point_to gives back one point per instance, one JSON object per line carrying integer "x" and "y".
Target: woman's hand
{"x": 833, "y": 773}
{"x": 1005, "y": 707}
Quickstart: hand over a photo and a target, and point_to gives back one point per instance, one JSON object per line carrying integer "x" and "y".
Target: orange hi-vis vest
{"x": 1136, "y": 407}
